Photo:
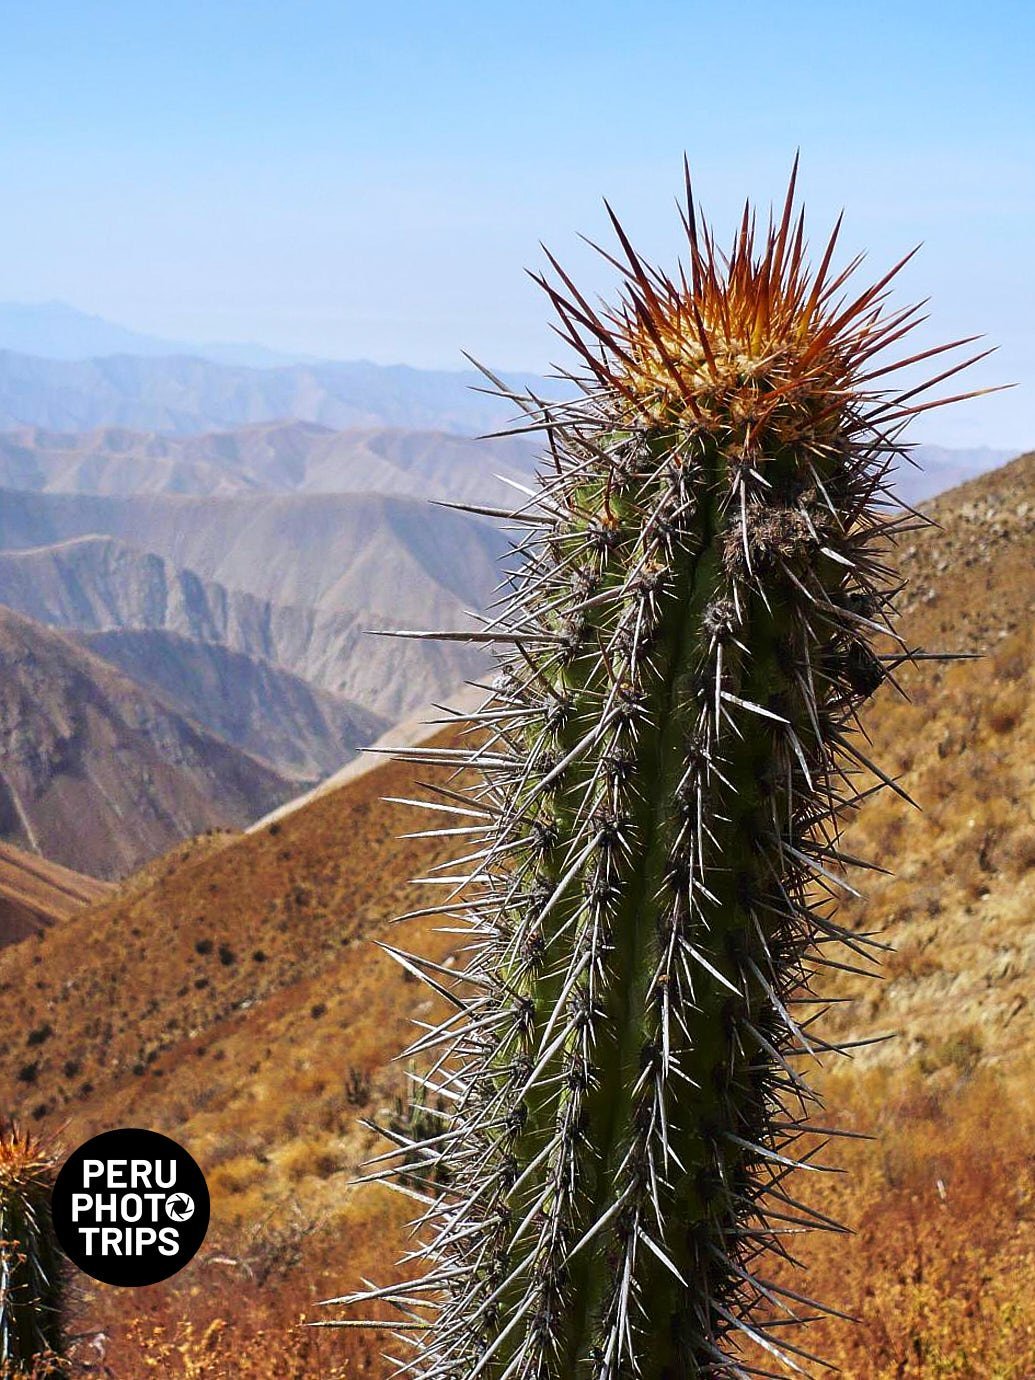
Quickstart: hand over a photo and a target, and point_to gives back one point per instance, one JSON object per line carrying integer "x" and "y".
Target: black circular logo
{"x": 130, "y": 1207}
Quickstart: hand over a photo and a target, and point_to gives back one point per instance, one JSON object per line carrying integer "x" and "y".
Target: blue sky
{"x": 371, "y": 181}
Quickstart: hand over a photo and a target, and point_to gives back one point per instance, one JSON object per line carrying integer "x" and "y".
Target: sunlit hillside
{"x": 230, "y": 995}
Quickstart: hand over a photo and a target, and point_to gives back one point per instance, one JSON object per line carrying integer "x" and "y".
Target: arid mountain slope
{"x": 959, "y": 903}
{"x": 278, "y": 457}
{"x": 269, "y": 1025}
{"x": 35, "y": 893}
{"x": 100, "y": 584}
{"x": 301, "y": 579}
{"x": 391, "y": 556}
{"x": 302, "y": 732}
{"x": 965, "y": 747}
{"x": 107, "y": 460}
{"x": 96, "y": 773}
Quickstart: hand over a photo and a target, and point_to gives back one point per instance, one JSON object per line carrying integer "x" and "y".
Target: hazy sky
{"x": 371, "y": 181}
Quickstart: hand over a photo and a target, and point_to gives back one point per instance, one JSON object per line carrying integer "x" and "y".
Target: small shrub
{"x": 357, "y": 1087}
{"x": 961, "y": 1051}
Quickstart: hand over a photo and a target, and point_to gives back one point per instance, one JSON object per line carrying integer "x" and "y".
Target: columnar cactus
{"x": 30, "y": 1259}
{"x": 651, "y": 810}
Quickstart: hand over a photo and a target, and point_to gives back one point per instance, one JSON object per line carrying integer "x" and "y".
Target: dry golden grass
{"x": 219, "y": 1352}
{"x": 941, "y": 1268}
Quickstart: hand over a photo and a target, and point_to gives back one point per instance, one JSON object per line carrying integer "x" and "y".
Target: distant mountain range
{"x": 935, "y": 469}
{"x": 209, "y": 533}
{"x": 56, "y": 330}
{"x": 183, "y": 393}
{"x": 292, "y": 456}
{"x": 273, "y": 457}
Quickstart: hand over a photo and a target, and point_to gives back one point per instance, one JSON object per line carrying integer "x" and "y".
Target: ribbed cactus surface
{"x": 648, "y": 811}
{"x": 30, "y": 1259}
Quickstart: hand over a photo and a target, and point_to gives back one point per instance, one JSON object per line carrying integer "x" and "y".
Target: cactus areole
{"x": 648, "y": 808}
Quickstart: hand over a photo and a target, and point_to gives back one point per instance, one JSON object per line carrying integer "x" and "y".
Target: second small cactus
{"x": 31, "y": 1274}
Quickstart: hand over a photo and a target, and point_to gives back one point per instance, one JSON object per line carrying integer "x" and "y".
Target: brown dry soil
{"x": 230, "y": 996}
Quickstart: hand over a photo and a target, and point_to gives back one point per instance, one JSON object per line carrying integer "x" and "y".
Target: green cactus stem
{"x": 31, "y": 1289}
{"x": 649, "y": 816}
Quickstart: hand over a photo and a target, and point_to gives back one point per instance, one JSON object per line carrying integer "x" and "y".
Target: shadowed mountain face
{"x": 96, "y": 773}
{"x": 295, "y": 580}
{"x": 262, "y": 709}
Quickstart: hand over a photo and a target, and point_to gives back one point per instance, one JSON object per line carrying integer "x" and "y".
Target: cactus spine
{"x": 30, "y": 1259}
{"x": 651, "y": 811}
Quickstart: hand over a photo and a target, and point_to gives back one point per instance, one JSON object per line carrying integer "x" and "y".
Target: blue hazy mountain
{"x": 56, "y": 330}
{"x": 185, "y": 394}
{"x": 67, "y": 370}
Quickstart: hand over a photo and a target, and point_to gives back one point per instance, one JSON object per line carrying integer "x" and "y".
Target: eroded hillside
{"x": 99, "y": 775}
